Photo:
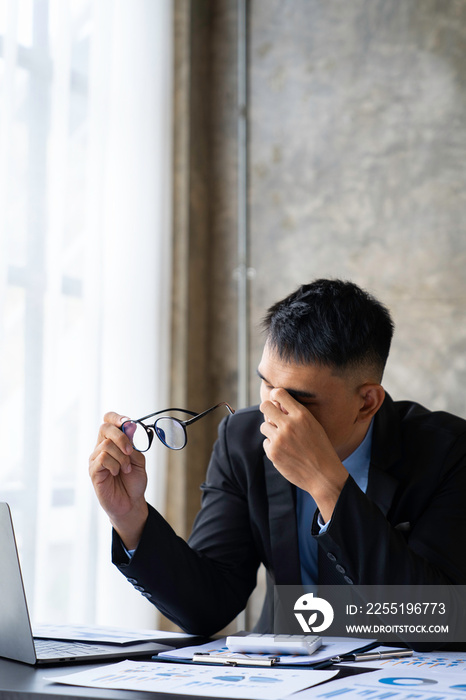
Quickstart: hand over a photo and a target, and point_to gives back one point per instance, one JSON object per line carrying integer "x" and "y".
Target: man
{"x": 328, "y": 481}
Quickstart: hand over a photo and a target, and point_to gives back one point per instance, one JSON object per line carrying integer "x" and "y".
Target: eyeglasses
{"x": 170, "y": 431}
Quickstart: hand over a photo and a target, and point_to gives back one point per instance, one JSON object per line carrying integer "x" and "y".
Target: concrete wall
{"x": 357, "y": 169}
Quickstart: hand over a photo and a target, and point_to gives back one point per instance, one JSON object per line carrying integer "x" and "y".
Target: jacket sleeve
{"x": 203, "y": 584}
{"x": 418, "y": 543}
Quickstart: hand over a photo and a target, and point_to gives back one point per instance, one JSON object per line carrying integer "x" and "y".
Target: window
{"x": 85, "y": 94}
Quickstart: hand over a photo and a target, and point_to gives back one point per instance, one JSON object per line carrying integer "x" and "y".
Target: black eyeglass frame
{"x": 151, "y": 430}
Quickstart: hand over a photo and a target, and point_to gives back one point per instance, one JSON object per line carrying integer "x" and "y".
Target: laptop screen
{"x": 16, "y": 641}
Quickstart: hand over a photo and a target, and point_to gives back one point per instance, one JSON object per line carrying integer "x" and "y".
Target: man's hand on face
{"x": 119, "y": 477}
{"x": 298, "y": 446}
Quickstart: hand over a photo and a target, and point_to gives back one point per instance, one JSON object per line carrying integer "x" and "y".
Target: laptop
{"x": 16, "y": 638}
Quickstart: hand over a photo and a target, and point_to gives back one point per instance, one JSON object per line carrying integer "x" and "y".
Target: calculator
{"x": 279, "y": 644}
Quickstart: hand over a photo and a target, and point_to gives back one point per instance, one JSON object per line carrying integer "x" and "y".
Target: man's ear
{"x": 372, "y": 397}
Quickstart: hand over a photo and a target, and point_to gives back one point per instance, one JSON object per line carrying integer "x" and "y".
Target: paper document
{"x": 105, "y": 635}
{"x": 396, "y": 684}
{"x": 197, "y": 680}
{"x": 436, "y": 662}
{"x": 331, "y": 646}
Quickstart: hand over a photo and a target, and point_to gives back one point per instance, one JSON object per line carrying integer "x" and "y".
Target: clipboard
{"x": 230, "y": 658}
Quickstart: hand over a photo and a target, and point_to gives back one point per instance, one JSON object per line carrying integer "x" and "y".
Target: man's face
{"x": 334, "y": 400}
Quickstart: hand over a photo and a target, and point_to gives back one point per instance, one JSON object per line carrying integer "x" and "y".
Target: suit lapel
{"x": 386, "y": 451}
{"x": 283, "y": 527}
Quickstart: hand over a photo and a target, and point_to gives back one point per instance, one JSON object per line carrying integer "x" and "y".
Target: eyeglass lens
{"x": 171, "y": 433}
{"x": 137, "y": 434}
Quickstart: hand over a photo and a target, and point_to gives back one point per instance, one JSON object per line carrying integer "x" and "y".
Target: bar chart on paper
{"x": 397, "y": 684}
{"x": 188, "y": 679}
{"x": 452, "y": 662}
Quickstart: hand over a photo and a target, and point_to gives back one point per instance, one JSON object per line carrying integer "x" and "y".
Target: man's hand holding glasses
{"x": 117, "y": 465}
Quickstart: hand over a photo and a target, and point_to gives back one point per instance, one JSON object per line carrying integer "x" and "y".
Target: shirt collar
{"x": 358, "y": 462}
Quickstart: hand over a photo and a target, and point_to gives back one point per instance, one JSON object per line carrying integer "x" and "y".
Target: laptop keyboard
{"x": 51, "y": 649}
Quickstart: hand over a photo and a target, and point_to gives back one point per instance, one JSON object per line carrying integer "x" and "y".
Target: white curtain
{"x": 85, "y": 172}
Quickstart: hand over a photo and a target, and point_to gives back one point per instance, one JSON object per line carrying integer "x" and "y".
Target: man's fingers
{"x": 267, "y": 428}
{"x": 271, "y": 411}
{"x": 115, "y": 418}
{"x": 103, "y": 460}
{"x": 108, "y": 448}
{"x": 284, "y": 400}
{"x": 109, "y": 431}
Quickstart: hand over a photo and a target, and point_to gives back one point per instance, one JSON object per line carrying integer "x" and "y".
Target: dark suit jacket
{"x": 408, "y": 528}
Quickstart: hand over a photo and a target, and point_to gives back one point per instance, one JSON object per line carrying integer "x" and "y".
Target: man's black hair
{"x": 333, "y": 323}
